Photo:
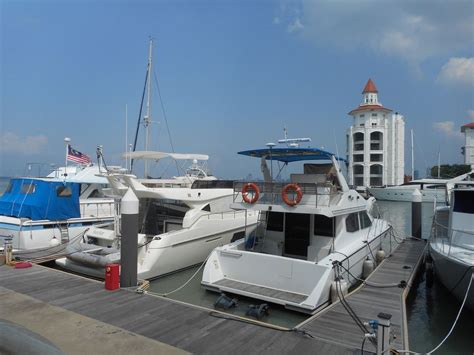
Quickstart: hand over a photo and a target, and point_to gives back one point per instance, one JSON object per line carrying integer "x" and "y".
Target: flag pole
{"x": 67, "y": 141}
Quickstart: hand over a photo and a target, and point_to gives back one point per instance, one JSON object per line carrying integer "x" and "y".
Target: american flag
{"x": 77, "y": 156}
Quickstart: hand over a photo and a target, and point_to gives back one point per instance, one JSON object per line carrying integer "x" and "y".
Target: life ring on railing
{"x": 295, "y": 188}
{"x": 246, "y": 190}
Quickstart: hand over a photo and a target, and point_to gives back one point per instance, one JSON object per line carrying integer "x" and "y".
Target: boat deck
{"x": 229, "y": 285}
{"x": 199, "y": 330}
{"x": 334, "y": 323}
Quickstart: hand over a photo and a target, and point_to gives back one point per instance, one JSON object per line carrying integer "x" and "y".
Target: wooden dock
{"x": 203, "y": 331}
{"x": 336, "y": 326}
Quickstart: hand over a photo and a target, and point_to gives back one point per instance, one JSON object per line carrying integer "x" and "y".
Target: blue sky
{"x": 232, "y": 74}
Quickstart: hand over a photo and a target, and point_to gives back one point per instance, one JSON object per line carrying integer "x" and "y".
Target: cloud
{"x": 413, "y": 31}
{"x": 295, "y": 26}
{"x": 11, "y": 143}
{"x": 458, "y": 71}
{"x": 447, "y": 128}
{"x": 470, "y": 114}
{"x": 276, "y": 20}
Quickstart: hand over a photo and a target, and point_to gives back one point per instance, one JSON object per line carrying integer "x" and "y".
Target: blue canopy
{"x": 290, "y": 154}
{"x": 40, "y": 199}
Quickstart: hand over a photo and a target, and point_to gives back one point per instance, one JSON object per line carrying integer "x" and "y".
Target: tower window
{"x": 362, "y": 116}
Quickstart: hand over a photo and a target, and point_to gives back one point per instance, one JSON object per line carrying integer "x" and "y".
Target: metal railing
{"x": 445, "y": 236}
{"x": 314, "y": 194}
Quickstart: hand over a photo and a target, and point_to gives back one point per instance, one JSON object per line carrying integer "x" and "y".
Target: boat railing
{"x": 98, "y": 208}
{"x": 449, "y": 238}
{"x": 270, "y": 193}
{"x": 220, "y": 215}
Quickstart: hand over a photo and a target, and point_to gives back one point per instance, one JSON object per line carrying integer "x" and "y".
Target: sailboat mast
{"x": 439, "y": 164}
{"x": 147, "y": 118}
{"x": 412, "y": 158}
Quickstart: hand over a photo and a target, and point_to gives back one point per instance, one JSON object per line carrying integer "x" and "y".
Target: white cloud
{"x": 458, "y": 71}
{"x": 276, "y": 20}
{"x": 295, "y": 26}
{"x": 11, "y": 143}
{"x": 470, "y": 114}
{"x": 448, "y": 128}
{"x": 410, "y": 30}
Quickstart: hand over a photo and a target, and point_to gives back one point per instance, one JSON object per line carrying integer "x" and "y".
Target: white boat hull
{"x": 296, "y": 284}
{"x": 393, "y": 193}
{"x": 453, "y": 273}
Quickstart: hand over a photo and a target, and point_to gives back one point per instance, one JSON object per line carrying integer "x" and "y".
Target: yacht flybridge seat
{"x": 289, "y": 259}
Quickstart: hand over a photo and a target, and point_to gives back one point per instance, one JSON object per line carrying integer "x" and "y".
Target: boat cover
{"x": 40, "y": 199}
{"x": 290, "y": 154}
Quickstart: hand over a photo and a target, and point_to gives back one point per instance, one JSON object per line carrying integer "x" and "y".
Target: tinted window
{"x": 275, "y": 221}
{"x": 207, "y": 208}
{"x": 464, "y": 201}
{"x": 28, "y": 188}
{"x": 63, "y": 191}
{"x": 213, "y": 184}
{"x": 323, "y": 225}
{"x": 352, "y": 223}
{"x": 365, "y": 221}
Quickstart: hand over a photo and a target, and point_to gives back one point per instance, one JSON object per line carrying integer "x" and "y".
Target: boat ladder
{"x": 261, "y": 231}
{"x": 64, "y": 233}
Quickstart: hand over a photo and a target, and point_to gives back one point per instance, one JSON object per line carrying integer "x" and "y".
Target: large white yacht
{"x": 431, "y": 190}
{"x": 452, "y": 240}
{"x": 181, "y": 221}
{"x": 307, "y": 225}
{"x": 37, "y": 213}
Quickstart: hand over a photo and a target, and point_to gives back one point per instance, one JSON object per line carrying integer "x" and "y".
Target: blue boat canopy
{"x": 290, "y": 154}
{"x": 40, "y": 199}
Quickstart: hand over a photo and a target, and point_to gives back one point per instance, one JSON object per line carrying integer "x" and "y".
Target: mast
{"x": 412, "y": 158}
{"x": 439, "y": 164}
{"x": 147, "y": 118}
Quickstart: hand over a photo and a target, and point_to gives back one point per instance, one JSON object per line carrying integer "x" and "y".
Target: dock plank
{"x": 196, "y": 330}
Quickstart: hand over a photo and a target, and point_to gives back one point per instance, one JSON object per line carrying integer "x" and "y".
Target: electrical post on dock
{"x": 129, "y": 241}
{"x": 416, "y": 205}
{"x": 383, "y": 333}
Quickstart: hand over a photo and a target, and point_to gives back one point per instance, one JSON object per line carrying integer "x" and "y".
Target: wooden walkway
{"x": 334, "y": 323}
{"x": 200, "y": 331}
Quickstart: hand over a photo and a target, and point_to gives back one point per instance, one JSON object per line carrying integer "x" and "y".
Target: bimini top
{"x": 160, "y": 155}
{"x": 290, "y": 154}
{"x": 39, "y": 199}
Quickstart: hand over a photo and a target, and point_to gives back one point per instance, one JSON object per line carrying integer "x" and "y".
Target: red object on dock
{"x": 112, "y": 276}
{"x": 23, "y": 265}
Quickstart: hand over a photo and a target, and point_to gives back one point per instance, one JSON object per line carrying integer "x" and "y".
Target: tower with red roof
{"x": 375, "y": 143}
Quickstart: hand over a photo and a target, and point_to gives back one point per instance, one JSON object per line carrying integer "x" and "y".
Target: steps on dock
{"x": 270, "y": 293}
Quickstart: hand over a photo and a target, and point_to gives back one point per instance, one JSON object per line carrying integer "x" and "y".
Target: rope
{"x": 452, "y": 327}
{"x": 183, "y": 285}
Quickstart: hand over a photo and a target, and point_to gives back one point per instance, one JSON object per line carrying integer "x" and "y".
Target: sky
{"x": 231, "y": 74}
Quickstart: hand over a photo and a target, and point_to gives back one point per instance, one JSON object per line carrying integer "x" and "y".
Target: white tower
{"x": 375, "y": 143}
{"x": 468, "y": 151}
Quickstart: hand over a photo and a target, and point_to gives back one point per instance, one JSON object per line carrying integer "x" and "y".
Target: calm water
{"x": 431, "y": 309}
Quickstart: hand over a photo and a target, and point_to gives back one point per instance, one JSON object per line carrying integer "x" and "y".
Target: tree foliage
{"x": 450, "y": 171}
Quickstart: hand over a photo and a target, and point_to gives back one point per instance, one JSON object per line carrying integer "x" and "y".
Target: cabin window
{"x": 323, "y": 225}
{"x": 463, "y": 202}
{"x": 365, "y": 221}
{"x": 63, "y": 191}
{"x": 275, "y": 221}
{"x": 96, "y": 193}
{"x": 9, "y": 188}
{"x": 28, "y": 188}
{"x": 352, "y": 223}
{"x": 206, "y": 208}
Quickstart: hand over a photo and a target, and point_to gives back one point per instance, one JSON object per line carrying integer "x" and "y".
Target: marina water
{"x": 431, "y": 309}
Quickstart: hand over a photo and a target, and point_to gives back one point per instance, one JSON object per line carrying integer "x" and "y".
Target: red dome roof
{"x": 370, "y": 87}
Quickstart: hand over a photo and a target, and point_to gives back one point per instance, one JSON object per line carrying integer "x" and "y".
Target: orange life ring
{"x": 296, "y": 189}
{"x": 245, "y": 192}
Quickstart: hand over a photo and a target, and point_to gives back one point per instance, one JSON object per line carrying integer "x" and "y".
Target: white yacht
{"x": 431, "y": 190}
{"x": 37, "y": 213}
{"x": 181, "y": 221}
{"x": 452, "y": 241}
{"x": 307, "y": 226}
